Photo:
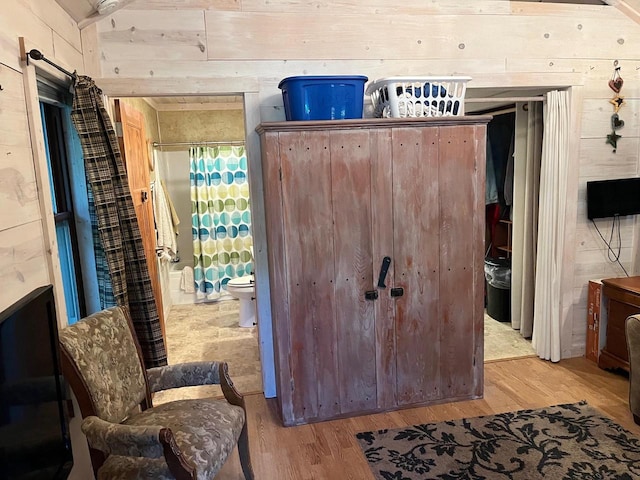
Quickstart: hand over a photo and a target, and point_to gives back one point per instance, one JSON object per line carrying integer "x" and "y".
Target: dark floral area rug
{"x": 568, "y": 442}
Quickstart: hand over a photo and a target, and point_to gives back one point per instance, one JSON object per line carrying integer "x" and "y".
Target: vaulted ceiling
{"x": 84, "y": 12}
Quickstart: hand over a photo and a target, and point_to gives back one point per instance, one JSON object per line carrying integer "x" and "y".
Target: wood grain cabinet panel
{"x": 623, "y": 300}
{"x": 340, "y": 196}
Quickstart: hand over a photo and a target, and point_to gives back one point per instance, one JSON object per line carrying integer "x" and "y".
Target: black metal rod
{"x": 195, "y": 144}
{"x": 37, "y": 55}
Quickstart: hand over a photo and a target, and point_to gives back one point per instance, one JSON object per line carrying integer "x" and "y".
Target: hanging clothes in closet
{"x": 499, "y": 190}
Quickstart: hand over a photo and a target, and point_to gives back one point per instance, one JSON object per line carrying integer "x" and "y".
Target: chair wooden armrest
{"x": 191, "y": 374}
{"x": 137, "y": 441}
{"x": 119, "y": 439}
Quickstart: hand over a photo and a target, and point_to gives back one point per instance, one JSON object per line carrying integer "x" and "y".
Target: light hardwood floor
{"x": 328, "y": 450}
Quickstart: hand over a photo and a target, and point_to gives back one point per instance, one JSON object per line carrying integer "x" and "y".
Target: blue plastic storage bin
{"x": 323, "y": 97}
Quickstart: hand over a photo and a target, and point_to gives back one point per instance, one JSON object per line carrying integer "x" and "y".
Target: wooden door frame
{"x": 574, "y": 85}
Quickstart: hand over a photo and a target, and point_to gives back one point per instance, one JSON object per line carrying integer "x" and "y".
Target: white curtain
{"x": 528, "y": 151}
{"x": 551, "y": 227}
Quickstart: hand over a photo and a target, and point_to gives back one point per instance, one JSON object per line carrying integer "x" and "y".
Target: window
{"x": 63, "y": 213}
{"x": 70, "y": 203}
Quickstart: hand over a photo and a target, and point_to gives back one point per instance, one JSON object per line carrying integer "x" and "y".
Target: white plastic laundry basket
{"x": 401, "y": 97}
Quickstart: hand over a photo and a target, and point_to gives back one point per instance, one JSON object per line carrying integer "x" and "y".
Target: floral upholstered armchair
{"x": 128, "y": 437}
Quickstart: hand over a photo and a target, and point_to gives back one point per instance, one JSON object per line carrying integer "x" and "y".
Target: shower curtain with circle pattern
{"x": 221, "y": 219}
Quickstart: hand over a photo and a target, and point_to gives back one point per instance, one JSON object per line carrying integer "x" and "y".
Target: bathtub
{"x": 178, "y": 296}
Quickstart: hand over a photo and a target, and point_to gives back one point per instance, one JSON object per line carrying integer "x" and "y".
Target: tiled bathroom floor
{"x": 502, "y": 342}
{"x": 210, "y": 331}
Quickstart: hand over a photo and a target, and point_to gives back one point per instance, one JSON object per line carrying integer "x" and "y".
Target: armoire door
{"x": 351, "y": 194}
{"x": 435, "y": 193}
{"x": 326, "y": 201}
{"x": 461, "y": 191}
{"x": 416, "y": 261}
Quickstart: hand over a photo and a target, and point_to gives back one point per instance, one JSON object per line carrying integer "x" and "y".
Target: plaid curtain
{"x": 105, "y": 290}
{"x": 117, "y": 222}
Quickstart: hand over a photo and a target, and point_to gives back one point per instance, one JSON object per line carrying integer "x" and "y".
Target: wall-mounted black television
{"x": 34, "y": 399}
{"x": 610, "y": 198}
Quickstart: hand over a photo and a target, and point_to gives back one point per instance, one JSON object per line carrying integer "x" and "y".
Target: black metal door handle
{"x": 371, "y": 295}
{"x": 397, "y": 292}
{"x": 384, "y": 268}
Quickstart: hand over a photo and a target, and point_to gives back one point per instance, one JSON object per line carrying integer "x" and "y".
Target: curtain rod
{"x": 504, "y": 99}
{"x": 502, "y": 111}
{"x": 37, "y": 55}
{"x": 176, "y": 144}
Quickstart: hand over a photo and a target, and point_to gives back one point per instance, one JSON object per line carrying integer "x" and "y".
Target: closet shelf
{"x": 502, "y": 237}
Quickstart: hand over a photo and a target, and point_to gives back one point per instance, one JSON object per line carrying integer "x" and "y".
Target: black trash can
{"x": 497, "y": 272}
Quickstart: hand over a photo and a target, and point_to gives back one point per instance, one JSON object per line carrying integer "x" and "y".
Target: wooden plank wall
{"x": 26, "y": 261}
{"x": 23, "y": 254}
{"x": 501, "y": 44}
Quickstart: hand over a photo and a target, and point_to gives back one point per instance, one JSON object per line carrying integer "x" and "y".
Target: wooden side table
{"x": 623, "y": 295}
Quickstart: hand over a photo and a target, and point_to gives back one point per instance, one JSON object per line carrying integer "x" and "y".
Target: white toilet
{"x": 243, "y": 288}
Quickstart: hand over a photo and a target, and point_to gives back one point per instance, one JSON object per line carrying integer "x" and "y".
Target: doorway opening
{"x": 195, "y": 146}
{"x": 514, "y": 141}
{"x": 502, "y": 340}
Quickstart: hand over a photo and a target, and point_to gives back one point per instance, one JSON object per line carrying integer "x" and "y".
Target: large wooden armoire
{"x": 340, "y": 196}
